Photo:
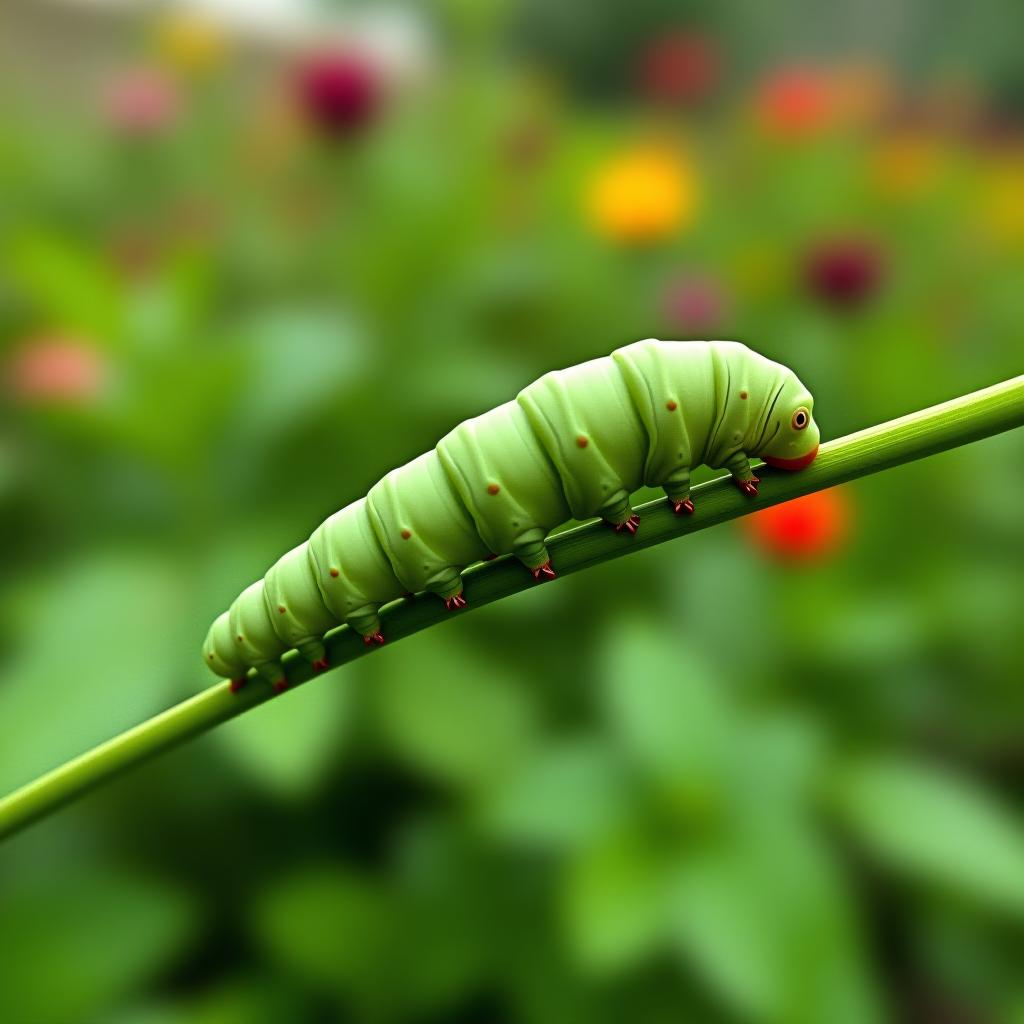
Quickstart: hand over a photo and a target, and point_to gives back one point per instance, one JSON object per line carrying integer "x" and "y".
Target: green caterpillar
{"x": 574, "y": 444}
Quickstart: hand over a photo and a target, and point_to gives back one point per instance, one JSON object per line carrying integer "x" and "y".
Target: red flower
{"x": 695, "y": 303}
{"x": 338, "y": 93}
{"x": 56, "y": 369}
{"x": 682, "y": 67}
{"x": 140, "y": 102}
{"x": 843, "y": 272}
{"x": 803, "y": 529}
{"x": 794, "y": 103}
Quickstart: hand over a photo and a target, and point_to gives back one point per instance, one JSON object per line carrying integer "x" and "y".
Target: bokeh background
{"x": 254, "y": 255}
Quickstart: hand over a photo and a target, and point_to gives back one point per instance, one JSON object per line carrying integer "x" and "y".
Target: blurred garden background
{"x": 254, "y": 255}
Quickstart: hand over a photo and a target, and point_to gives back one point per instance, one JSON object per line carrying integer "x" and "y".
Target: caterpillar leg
{"x": 238, "y": 683}
{"x": 366, "y": 621}
{"x": 447, "y": 584}
{"x": 315, "y": 653}
{"x": 273, "y": 672}
{"x": 619, "y": 514}
{"x": 677, "y": 490}
{"x": 742, "y": 475}
{"x": 530, "y": 549}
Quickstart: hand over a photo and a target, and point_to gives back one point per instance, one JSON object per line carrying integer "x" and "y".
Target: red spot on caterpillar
{"x": 493, "y": 488}
{"x": 671, "y": 406}
{"x": 334, "y": 572}
{"x": 281, "y": 608}
{"x": 406, "y": 534}
{"x": 743, "y": 394}
{"x": 582, "y": 442}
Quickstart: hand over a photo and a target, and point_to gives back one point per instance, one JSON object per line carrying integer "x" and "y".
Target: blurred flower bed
{"x": 770, "y": 773}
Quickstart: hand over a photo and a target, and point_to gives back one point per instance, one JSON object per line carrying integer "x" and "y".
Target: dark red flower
{"x": 843, "y": 272}
{"x": 682, "y": 67}
{"x": 804, "y": 529}
{"x": 339, "y": 93}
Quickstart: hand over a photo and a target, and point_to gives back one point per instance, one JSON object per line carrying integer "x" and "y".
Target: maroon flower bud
{"x": 843, "y": 273}
{"x": 338, "y": 92}
{"x": 682, "y": 67}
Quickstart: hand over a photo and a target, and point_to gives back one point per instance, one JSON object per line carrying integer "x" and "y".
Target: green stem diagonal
{"x": 968, "y": 418}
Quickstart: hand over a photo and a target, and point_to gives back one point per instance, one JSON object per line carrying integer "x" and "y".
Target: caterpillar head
{"x": 791, "y": 434}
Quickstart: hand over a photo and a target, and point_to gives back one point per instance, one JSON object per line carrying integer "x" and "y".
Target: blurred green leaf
{"x": 777, "y": 763}
{"x": 77, "y": 942}
{"x": 936, "y": 826}
{"x": 67, "y": 284}
{"x": 240, "y": 1000}
{"x": 114, "y": 620}
{"x": 451, "y": 712}
{"x": 287, "y": 744}
{"x": 564, "y": 796}
{"x": 298, "y": 359}
{"x": 615, "y": 902}
{"x": 327, "y": 925}
{"x": 447, "y": 909}
{"x": 764, "y": 921}
{"x": 664, "y": 704}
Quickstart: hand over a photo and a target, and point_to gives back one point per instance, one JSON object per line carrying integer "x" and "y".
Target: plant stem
{"x": 960, "y": 421}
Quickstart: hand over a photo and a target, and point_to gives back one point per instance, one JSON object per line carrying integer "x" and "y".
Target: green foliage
{"x": 936, "y": 826}
{"x": 695, "y": 784}
{"x": 86, "y": 939}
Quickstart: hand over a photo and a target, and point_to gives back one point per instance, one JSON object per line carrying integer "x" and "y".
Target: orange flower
{"x": 794, "y": 103}
{"x": 644, "y": 195}
{"x": 804, "y": 529}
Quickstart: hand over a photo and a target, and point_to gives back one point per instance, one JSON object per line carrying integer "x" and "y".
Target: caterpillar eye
{"x": 801, "y": 418}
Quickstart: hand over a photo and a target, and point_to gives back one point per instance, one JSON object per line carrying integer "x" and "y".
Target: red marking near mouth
{"x": 801, "y": 463}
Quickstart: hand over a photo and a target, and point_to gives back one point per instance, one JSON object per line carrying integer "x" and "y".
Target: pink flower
{"x": 695, "y": 303}
{"x": 681, "y": 67}
{"x": 140, "y": 102}
{"x": 843, "y": 273}
{"x": 338, "y": 92}
{"x": 58, "y": 369}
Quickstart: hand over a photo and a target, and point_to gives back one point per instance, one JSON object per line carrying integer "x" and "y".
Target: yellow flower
{"x": 190, "y": 43}
{"x": 1002, "y": 200}
{"x": 643, "y": 195}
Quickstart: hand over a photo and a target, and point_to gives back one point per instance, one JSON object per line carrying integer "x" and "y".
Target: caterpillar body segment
{"x": 586, "y": 421}
{"x": 506, "y": 481}
{"x": 353, "y": 573}
{"x": 574, "y": 444}
{"x": 424, "y": 528}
